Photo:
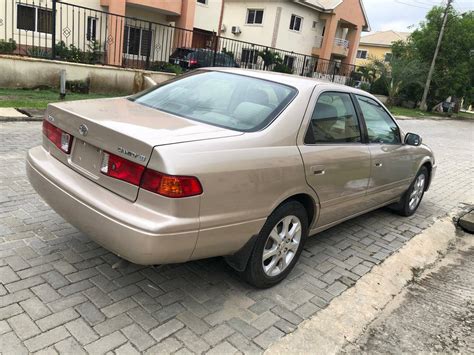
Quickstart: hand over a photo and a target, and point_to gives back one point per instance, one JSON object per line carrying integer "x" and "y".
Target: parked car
{"x": 192, "y": 58}
{"x": 226, "y": 162}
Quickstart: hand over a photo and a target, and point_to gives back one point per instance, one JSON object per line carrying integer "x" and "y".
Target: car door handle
{"x": 318, "y": 170}
{"x": 378, "y": 165}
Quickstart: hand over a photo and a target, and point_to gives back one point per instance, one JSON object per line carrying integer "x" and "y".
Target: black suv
{"x": 192, "y": 58}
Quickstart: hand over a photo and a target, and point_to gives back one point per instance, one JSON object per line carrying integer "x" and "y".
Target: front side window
{"x": 32, "y": 18}
{"x": 334, "y": 120}
{"x": 380, "y": 126}
{"x": 231, "y": 101}
{"x": 254, "y": 17}
{"x": 295, "y": 23}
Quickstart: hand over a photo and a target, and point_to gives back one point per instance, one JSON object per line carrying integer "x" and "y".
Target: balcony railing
{"x": 341, "y": 42}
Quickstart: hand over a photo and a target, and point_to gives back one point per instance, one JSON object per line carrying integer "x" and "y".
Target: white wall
{"x": 25, "y": 72}
{"x": 235, "y": 12}
{"x": 304, "y": 40}
{"x": 207, "y": 16}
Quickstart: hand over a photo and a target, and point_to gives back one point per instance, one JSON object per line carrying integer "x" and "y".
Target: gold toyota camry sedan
{"x": 226, "y": 162}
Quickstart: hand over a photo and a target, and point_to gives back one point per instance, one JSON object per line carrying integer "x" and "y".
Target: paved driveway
{"x": 59, "y": 292}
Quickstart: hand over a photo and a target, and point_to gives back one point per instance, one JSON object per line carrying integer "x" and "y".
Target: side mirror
{"x": 413, "y": 139}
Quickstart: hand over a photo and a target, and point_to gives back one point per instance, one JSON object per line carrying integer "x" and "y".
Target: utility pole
{"x": 423, "y": 105}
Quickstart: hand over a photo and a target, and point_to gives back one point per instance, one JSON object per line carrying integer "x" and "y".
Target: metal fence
{"x": 69, "y": 32}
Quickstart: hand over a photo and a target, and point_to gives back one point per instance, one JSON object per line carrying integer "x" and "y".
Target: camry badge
{"x": 131, "y": 154}
{"x": 83, "y": 130}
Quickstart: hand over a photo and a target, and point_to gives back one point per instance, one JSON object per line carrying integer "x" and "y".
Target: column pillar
{"x": 353, "y": 36}
{"x": 115, "y": 26}
{"x": 185, "y": 21}
{"x": 329, "y": 35}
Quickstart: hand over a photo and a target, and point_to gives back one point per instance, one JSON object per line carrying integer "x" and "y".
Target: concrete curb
{"x": 21, "y": 119}
{"x": 347, "y": 316}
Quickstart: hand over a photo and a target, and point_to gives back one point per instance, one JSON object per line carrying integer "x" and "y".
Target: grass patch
{"x": 39, "y": 99}
{"x": 416, "y": 113}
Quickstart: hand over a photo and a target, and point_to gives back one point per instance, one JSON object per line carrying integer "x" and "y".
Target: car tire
{"x": 411, "y": 199}
{"x": 282, "y": 238}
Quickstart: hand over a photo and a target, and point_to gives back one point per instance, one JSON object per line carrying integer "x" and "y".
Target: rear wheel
{"x": 278, "y": 246}
{"x": 411, "y": 199}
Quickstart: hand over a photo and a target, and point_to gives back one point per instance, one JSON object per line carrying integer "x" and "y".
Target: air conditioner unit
{"x": 223, "y": 28}
{"x": 236, "y": 30}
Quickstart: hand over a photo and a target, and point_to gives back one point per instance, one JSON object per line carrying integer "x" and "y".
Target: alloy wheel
{"x": 417, "y": 192}
{"x": 281, "y": 245}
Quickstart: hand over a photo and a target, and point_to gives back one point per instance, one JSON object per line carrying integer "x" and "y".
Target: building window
{"x": 289, "y": 61}
{"x": 295, "y": 23}
{"x": 136, "y": 41}
{"x": 204, "y": 2}
{"x": 387, "y": 57}
{"x": 254, "y": 17}
{"x": 37, "y": 19}
{"x": 249, "y": 56}
{"x": 91, "y": 28}
{"x": 315, "y": 24}
{"x": 362, "y": 54}
{"x": 323, "y": 31}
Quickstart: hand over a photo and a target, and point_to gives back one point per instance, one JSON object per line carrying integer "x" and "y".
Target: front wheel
{"x": 411, "y": 199}
{"x": 278, "y": 246}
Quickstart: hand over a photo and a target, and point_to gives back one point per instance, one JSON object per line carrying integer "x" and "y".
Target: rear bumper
{"x": 121, "y": 226}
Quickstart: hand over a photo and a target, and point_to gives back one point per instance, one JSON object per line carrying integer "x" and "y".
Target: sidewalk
{"x": 9, "y": 114}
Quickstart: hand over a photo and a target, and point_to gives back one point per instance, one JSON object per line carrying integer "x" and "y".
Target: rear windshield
{"x": 226, "y": 100}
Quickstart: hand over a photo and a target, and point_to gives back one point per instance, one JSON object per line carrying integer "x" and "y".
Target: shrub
{"x": 78, "y": 86}
{"x": 7, "y": 47}
{"x": 38, "y": 52}
{"x": 282, "y": 68}
{"x": 74, "y": 54}
{"x": 379, "y": 87}
{"x": 166, "y": 67}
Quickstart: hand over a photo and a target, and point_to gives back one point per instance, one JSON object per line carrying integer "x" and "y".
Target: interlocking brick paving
{"x": 59, "y": 293}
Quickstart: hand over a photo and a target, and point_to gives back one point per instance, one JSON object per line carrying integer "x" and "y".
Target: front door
{"x": 391, "y": 161}
{"x": 337, "y": 163}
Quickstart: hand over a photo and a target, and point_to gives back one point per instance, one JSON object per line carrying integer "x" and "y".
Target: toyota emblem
{"x": 83, "y": 130}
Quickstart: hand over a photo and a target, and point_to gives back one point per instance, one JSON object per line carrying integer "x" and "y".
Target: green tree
{"x": 454, "y": 70}
{"x": 398, "y": 75}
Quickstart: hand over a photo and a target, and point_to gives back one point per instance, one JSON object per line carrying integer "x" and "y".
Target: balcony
{"x": 340, "y": 47}
{"x": 164, "y": 6}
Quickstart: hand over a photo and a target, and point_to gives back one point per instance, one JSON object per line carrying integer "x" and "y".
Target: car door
{"x": 336, "y": 161}
{"x": 391, "y": 160}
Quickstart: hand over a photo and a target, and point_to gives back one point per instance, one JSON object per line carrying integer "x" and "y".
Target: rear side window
{"x": 334, "y": 120}
{"x": 231, "y": 101}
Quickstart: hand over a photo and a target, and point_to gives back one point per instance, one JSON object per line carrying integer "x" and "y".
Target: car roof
{"x": 299, "y": 82}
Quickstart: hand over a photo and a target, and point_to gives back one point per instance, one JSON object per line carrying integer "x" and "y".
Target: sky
{"x": 404, "y": 15}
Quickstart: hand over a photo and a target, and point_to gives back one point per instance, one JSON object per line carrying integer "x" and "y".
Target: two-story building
{"x": 327, "y": 29}
{"x": 378, "y": 45}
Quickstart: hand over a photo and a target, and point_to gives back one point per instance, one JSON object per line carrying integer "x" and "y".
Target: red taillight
{"x": 57, "y": 136}
{"x": 151, "y": 180}
{"x": 193, "y": 62}
{"x": 122, "y": 169}
{"x": 170, "y": 185}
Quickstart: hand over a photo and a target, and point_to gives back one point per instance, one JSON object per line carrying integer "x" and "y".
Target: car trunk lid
{"x": 124, "y": 128}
